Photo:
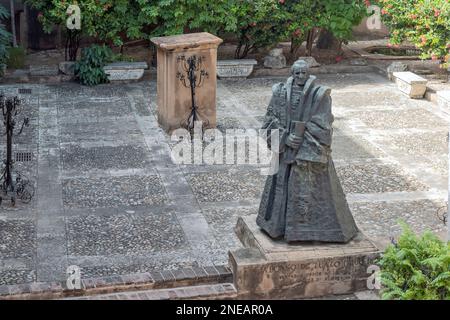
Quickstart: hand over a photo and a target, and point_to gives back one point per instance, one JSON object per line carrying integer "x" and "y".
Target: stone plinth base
{"x": 273, "y": 269}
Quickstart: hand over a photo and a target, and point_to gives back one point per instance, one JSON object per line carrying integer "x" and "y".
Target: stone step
{"x": 166, "y": 279}
{"x": 211, "y": 291}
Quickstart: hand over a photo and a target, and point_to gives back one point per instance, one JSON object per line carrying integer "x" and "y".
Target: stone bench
{"x": 125, "y": 71}
{"x": 443, "y": 100}
{"x": 411, "y": 84}
{"x": 237, "y": 68}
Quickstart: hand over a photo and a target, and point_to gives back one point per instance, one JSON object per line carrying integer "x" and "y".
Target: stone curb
{"x": 260, "y": 72}
{"x": 211, "y": 291}
{"x": 121, "y": 283}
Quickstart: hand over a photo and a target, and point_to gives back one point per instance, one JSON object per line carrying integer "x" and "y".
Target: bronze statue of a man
{"x": 304, "y": 200}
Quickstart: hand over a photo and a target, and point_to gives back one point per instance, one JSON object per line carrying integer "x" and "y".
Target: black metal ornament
{"x": 192, "y": 75}
{"x": 13, "y": 184}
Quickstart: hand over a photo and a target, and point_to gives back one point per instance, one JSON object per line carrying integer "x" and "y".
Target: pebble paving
{"x": 111, "y": 201}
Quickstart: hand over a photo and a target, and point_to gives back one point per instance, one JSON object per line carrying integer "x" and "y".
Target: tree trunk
{"x": 296, "y": 45}
{"x": 13, "y": 23}
{"x": 326, "y": 40}
{"x": 310, "y": 41}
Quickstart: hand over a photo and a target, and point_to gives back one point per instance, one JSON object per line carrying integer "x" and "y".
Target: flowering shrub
{"x": 425, "y": 23}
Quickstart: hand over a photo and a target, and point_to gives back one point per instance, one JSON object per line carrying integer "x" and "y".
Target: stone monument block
{"x": 175, "y": 94}
{"x": 272, "y": 269}
{"x": 275, "y": 59}
{"x": 411, "y": 84}
{"x": 396, "y": 66}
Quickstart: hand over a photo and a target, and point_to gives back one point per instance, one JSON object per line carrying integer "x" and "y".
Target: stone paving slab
{"x": 375, "y": 178}
{"x": 108, "y": 157}
{"x": 402, "y": 119}
{"x": 226, "y": 186}
{"x": 113, "y": 191}
{"x": 110, "y": 200}
{"x": 123, "y": 234}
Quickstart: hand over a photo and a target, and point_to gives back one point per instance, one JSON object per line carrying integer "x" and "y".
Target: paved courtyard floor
{"x": 110, "y": 200}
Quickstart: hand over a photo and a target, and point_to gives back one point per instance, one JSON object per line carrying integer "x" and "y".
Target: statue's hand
{"x": 293, "y": 141}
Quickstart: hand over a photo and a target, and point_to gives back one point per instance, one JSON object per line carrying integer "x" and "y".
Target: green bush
{"x": 416, "y": 268}
{"x": 89, "y": 70}
{"x": 120, "y": 57}
{"x": 16, "y": 59}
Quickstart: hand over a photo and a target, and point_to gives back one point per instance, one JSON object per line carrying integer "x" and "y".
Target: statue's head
{"x": 300, "y": 72}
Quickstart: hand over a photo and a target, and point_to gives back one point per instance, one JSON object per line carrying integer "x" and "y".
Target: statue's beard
{"x": 300, "y": 81}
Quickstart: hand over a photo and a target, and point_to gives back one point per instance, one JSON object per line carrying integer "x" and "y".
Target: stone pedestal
{"x": 174, "y": 98}
{"x": 270, "y": 269}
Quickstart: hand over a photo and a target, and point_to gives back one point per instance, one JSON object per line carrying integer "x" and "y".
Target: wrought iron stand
{"x": 13, "y": 184}
{"x": 192, "y": 75}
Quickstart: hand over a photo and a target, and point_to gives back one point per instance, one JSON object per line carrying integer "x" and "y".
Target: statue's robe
{"x": 304, "y": 200}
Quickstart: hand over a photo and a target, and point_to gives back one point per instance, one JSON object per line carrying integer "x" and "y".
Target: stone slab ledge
{"x": 212, "y": 291}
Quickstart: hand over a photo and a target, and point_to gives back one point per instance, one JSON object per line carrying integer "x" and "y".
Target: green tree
{"x": 107, "y": 20}
{"x": 5, "y": 40}
{"x": 306, "y": 18}
{"x": 171, "y": 17}
{"x": 114, "y": 21}
{"x": 259, "y": 24}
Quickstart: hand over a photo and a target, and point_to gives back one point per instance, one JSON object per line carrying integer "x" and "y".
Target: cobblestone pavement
{"x": 110, "y": 200}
